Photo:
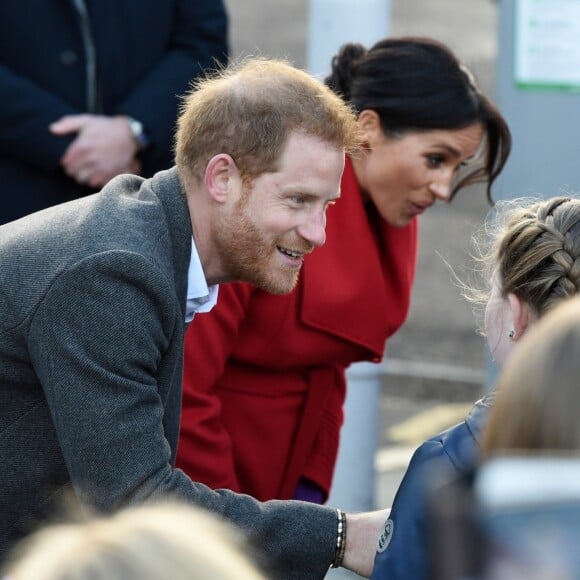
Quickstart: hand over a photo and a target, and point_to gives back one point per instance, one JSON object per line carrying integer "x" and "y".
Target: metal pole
{"x": 354, "y": 481}
{"x": 353, "y": 488}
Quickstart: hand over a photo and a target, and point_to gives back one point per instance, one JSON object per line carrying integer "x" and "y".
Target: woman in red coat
{"x": 264, "y": 381}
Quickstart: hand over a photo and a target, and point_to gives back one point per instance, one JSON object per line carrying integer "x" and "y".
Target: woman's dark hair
{"x": 418, "y": 84}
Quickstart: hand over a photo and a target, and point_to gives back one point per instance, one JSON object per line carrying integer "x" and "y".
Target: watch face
{"x": 136, "y": 126}
{"x": 138, "y": 132}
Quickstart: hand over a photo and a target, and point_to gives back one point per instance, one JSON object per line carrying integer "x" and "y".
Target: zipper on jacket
{"x": 93, "y": 104}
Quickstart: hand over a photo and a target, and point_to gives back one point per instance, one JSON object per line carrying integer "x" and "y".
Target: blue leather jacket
{"x": 402, "y": 551}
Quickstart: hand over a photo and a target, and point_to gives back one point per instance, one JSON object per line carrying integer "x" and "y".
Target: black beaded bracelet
{"x": 340, "y": 539}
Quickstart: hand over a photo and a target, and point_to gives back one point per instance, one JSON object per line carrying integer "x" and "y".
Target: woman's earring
{"x": 511, "y": 334}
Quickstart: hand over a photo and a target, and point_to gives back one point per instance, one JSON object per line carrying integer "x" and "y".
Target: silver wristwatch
{"x": 139, "y": 133}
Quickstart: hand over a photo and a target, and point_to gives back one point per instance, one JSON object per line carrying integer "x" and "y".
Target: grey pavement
{"x": 437, "y": 362}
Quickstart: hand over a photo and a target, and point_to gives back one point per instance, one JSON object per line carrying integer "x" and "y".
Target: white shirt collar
{"x": 200, "y": 297}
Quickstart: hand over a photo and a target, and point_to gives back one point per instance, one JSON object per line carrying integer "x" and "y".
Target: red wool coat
{"x": 264, "y": 380}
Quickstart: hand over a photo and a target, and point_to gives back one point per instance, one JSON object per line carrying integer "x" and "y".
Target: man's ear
{"x": 220, "y": 174}
{"x": 521, "y": 315}
{"x": 369, "y": 126}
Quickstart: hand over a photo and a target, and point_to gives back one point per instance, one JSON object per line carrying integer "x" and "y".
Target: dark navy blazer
{"x": 403, "y": 552}
{"x": 147, "y": 53}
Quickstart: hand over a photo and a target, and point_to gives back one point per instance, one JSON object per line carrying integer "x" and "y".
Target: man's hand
{"x": 104, "y": 147}
{"x": 362, "y": 534}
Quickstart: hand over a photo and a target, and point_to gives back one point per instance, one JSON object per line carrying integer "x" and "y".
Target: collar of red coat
{"x": 355, "y": 287}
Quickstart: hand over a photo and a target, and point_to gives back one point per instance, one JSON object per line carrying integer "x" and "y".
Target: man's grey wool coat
{"x": 92, "y": 309}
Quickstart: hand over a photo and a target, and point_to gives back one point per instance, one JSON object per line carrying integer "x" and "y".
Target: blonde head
{"x": 248, "y": 111}
{"x": 149, "y": 542}
{"x": 533, "y": 247}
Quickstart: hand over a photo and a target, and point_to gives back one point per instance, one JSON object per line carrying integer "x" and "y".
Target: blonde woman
{"x": 150, "y": 542}
{"x": 531, "y": 259}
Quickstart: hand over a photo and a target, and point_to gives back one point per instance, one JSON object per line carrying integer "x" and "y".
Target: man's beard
{"x": 247, "y": 255}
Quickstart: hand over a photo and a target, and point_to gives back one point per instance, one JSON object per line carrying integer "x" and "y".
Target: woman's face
{"x": 405, "y": 175}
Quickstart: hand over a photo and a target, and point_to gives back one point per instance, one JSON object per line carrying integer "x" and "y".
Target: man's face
{"x": 280, "y": 217}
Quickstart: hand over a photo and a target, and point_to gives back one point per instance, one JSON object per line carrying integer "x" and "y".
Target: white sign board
{"x": 547, "y": 44}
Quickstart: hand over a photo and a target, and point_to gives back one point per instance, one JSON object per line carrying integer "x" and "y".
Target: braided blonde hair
{"x": 538, "y": 256}
{"x": 533, "y": 246}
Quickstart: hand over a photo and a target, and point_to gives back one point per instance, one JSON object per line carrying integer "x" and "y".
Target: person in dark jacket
{"x": 90, "y": 89}
{"x": 530, "y": 251}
